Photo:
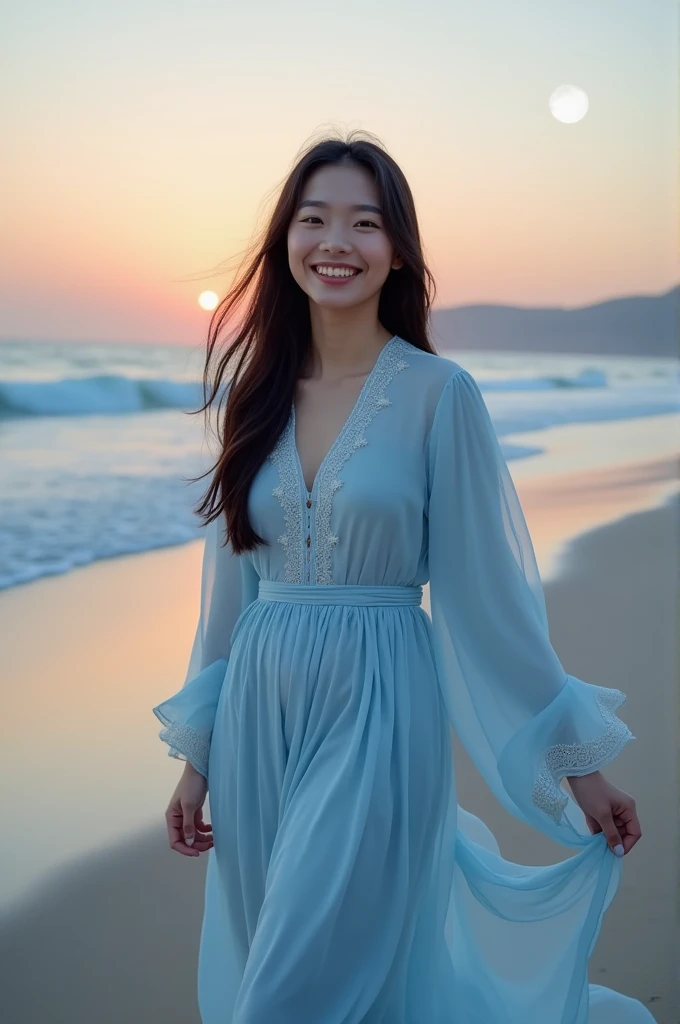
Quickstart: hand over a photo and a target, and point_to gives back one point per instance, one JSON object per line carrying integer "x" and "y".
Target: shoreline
{"x": 563, "y": 508}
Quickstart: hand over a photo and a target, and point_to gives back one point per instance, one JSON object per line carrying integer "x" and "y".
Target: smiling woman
{"x": 345, "y": 885}
{"x": 340, "y": 222}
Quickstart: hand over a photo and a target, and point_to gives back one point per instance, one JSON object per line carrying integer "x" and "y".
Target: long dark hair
{"x": 273, "y": 337}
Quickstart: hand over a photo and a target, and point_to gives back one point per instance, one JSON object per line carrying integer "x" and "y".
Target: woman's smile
{"x": 335, "y": 273}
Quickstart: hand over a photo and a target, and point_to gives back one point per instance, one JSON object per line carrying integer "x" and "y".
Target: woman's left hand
{"x": 607, "y": 809}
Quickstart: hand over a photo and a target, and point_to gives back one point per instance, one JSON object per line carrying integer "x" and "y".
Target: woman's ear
{"x": 397, "y": 263}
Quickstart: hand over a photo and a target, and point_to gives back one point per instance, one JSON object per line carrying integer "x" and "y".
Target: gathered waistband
{"x": 338, "y": 593}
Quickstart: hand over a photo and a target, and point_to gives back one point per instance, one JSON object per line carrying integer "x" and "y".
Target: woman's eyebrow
{"x": 356, "y": 206}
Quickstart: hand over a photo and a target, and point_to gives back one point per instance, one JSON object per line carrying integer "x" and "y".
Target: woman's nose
{"x": 339, "y": 246}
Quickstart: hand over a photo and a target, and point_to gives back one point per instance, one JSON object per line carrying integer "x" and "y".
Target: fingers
{"x": 622, "y": 828}
{"x": 177, "y": 819}
{"x": 613, "y": 837}
{"x": 188, "y": 827}
{"x": 191, "y": 851}
{"x": 628, "y": 825}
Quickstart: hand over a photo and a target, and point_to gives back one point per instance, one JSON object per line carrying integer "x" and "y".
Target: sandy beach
{"x": 111, "y": 933}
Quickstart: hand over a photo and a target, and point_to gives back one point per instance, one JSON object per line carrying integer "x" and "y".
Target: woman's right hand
{"x": 187, "y": 833}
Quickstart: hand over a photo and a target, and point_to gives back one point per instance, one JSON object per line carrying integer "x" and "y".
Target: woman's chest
{"x": 369, "y": 492}
{"x": 320, "y": 413}
{"x": 369, "y": 495}
{"x": 367, "y": 502}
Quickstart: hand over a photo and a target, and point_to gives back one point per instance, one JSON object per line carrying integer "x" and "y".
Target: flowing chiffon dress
{"x": 346, "y": 884}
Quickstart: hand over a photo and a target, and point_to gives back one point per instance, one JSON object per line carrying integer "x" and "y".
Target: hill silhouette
{"x": 636, "y": 325}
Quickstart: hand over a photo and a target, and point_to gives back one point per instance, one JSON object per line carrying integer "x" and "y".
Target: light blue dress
{"x": 346, "y": 883}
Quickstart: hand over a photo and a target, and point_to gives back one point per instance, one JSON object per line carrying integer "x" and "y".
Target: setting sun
{"x": 208, "y": 300}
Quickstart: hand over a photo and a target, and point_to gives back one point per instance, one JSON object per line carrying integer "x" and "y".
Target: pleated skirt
{"x": 330, "y": 770}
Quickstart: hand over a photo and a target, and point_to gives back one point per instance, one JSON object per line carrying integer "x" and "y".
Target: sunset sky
{"x": 142, "y": 141}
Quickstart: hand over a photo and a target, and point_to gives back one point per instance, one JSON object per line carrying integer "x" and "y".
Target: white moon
{"x": 568, "y": 104}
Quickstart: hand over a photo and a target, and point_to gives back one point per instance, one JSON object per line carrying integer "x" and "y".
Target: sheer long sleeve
{"x": 525, "y": 722}
{"x": 228, "y": 585}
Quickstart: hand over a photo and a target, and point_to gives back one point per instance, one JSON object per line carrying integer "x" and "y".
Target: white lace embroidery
{"x": 580, "y": 758}
{"x": 352, "y": 437}
{"x": 187, "y": 745}
{"x": 288, "y": 493}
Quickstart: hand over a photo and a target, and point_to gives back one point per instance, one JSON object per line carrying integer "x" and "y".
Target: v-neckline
{"x": 343, "y": 429}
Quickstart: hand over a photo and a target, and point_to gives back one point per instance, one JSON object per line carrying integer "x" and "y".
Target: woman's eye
{"x": 306, "y": 219}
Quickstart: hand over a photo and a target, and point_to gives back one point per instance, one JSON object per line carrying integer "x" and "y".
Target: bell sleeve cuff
{"x": 188, "y": 716}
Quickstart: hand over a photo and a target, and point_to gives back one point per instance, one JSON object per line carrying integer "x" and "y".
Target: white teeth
{"x": 335, "y": 271}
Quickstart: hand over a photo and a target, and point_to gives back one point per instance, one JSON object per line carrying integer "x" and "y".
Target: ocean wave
{"x": 104, "y": 394}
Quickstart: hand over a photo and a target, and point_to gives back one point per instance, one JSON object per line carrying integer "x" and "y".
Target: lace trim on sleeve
{"x": 565, "y": 759}
{"x": 187, "y": 745}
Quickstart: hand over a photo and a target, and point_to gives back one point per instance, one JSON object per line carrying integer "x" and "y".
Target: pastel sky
{"x": 142, "y": 141}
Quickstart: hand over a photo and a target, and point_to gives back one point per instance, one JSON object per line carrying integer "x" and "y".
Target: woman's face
{"x": 329, "y": 229}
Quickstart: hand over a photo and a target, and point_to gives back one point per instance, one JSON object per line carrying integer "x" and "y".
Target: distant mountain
{"x": 637, "y": 325}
